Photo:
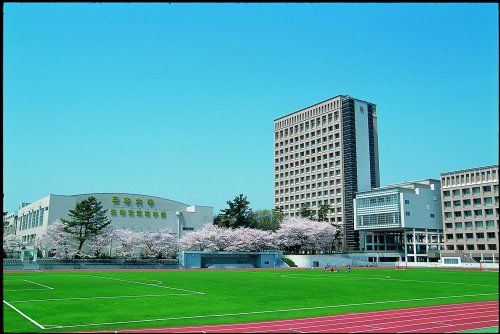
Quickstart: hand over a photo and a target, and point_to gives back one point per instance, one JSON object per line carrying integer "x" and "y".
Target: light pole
{"x": 178, "y": 215}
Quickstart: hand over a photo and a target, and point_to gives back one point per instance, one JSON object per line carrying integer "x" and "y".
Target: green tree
{"x": 238, "y": 214}
{"x": 278, "y": 214}
{"x": 88, "y": 219}
{"x": 265, "y": 220}
{"x": 306, "y": 212}
{"x": 323, "y": 212}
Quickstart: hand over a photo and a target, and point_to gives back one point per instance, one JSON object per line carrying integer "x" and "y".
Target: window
{"x": 456, "y": 203}
{"x": 490, "y": 235}
{"x": 407, "y": 213}
{"x": 460, "y": 247}
{"x": 456, "y": 193}
{"x": 458, "y": 225}
{"x": 407, "y": 201}
{"x": 470, "y": 247}
{"x": 486, "y": 189}
{"x": 466, "y": 202}
{"x": 469, "y": 235}
{"x": 449, "y": 236}
{"x": 476, "y": 190}
{"x": 432, "y": 215}
{"x": 465, "y": 192}
{"x": 490, "y": 224}
{"x": 459, "y": 235}
{"x": 446, "y": 194}
{"x": 492, "y": 247}
{"x": 449, "y": 225}
{"x": 479, "y": 224}
{"x": 447, "y": 215}
{"x": 480, "y": 235}
{"x": 481, "y": 247}
{"x": 447, "y": 204}
{"x": 468, "y": 224}
{"x": 488, "y": 200}
{"x": 488, "y": 212}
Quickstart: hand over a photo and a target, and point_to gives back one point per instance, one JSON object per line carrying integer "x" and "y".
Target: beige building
{"x": 470, "y": 212}
{"x": 324, "y": 154}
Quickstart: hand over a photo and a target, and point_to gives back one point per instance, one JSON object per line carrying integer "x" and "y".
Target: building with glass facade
{"x": 470, "y": 209}
{"x": 323, "y": 154}
{"x": 403, "y": 218}
{"x": 127, "y": 211}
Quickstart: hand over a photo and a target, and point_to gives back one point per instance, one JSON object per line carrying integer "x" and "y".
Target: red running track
{"x": 426, "y": 319}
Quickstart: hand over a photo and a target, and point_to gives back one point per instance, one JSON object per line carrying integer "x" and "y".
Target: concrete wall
{"x": 423, "y": 202}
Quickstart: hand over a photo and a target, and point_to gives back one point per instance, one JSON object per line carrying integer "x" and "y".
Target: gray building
{"x": 324, "y": 154}
{"x": 471, "y": 212}
{"x": 403, "y": 218}
{"x": 127, "y": 211}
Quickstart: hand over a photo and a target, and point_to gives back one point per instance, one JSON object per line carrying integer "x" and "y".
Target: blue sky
{"x": 178, "y": 101}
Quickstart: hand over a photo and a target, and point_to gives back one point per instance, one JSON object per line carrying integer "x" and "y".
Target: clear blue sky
{"x": 178, "y": 101}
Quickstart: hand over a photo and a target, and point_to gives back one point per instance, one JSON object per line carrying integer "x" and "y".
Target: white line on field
{"x": 385, "y": 279}
{"x": 101, "y": 297}
{"x": 156, "y": 285}
{"x": 269, "y": 311}
{"x": 24, "y": 315}
{"x": 25, "y": 290}
{"x": 48, "y": 287}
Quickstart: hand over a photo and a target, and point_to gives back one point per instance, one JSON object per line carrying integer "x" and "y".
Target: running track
{"x": 427, "y": 319}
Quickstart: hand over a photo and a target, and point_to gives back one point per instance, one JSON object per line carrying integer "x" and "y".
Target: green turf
{"x": 483, "y": 330}
{"x": 225, "y": 294}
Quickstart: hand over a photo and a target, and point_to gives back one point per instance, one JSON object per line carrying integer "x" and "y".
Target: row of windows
{"x": 478, "y": 235}
{"x": 469, "y": 225}
{"x": 467, "y": 202}
{"x": 331, "y": 155}
{"x": 325, "y": 165}
{"x": 324, "y": 139}
{"x": 469, "y": 191}
{"x": 303, "y": 146}
{"x": 377, "y": 201}
{"x": 337, "y": 219}
{"x": 31, "y": 219}
{"x": 306, "y": 188}
{"x": 308, "y": 114}
{"x": 379, "y": 219}
{"x": 309, "y": 179}
{"x": 306, "y": 170}
{"x": 308, "y": 125}
{"x": 468, "y": 213}
{"x": 482, "y": 176}
{"x": 471, "y": 247}
{"x": 307, "y": 196}
{"x": 312, "y": 205}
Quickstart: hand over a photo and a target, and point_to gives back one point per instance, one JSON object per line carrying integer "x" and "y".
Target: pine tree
{"x": 88, "y": 220}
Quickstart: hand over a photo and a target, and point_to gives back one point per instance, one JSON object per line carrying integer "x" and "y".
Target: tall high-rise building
{"x": 324, "y": 154}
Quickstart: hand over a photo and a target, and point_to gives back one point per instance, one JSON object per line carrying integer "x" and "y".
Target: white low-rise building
{"x": 405, "y": 218}
{"x": 127, "y": 211}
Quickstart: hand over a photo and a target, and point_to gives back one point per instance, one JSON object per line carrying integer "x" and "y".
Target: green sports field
{"x": 77, "y": 301}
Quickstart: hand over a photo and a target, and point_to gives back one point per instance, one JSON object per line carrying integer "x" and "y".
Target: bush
{"x": 289, "y": 262}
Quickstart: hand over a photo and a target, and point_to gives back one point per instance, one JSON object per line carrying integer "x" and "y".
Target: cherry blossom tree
{"x": 101, "y": 243}
{"x": 11, "y": 242}
{"x": 56, "y": 240}
{"x": 157, "y": 244}
{"x": 126, "y": 243}
{"x": 301, "y": 234}
{"x": 212, "y": 237}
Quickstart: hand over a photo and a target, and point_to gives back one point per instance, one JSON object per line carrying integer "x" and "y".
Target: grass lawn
{"x": 77, "y": 301}
{"x": 483, "y": 330}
